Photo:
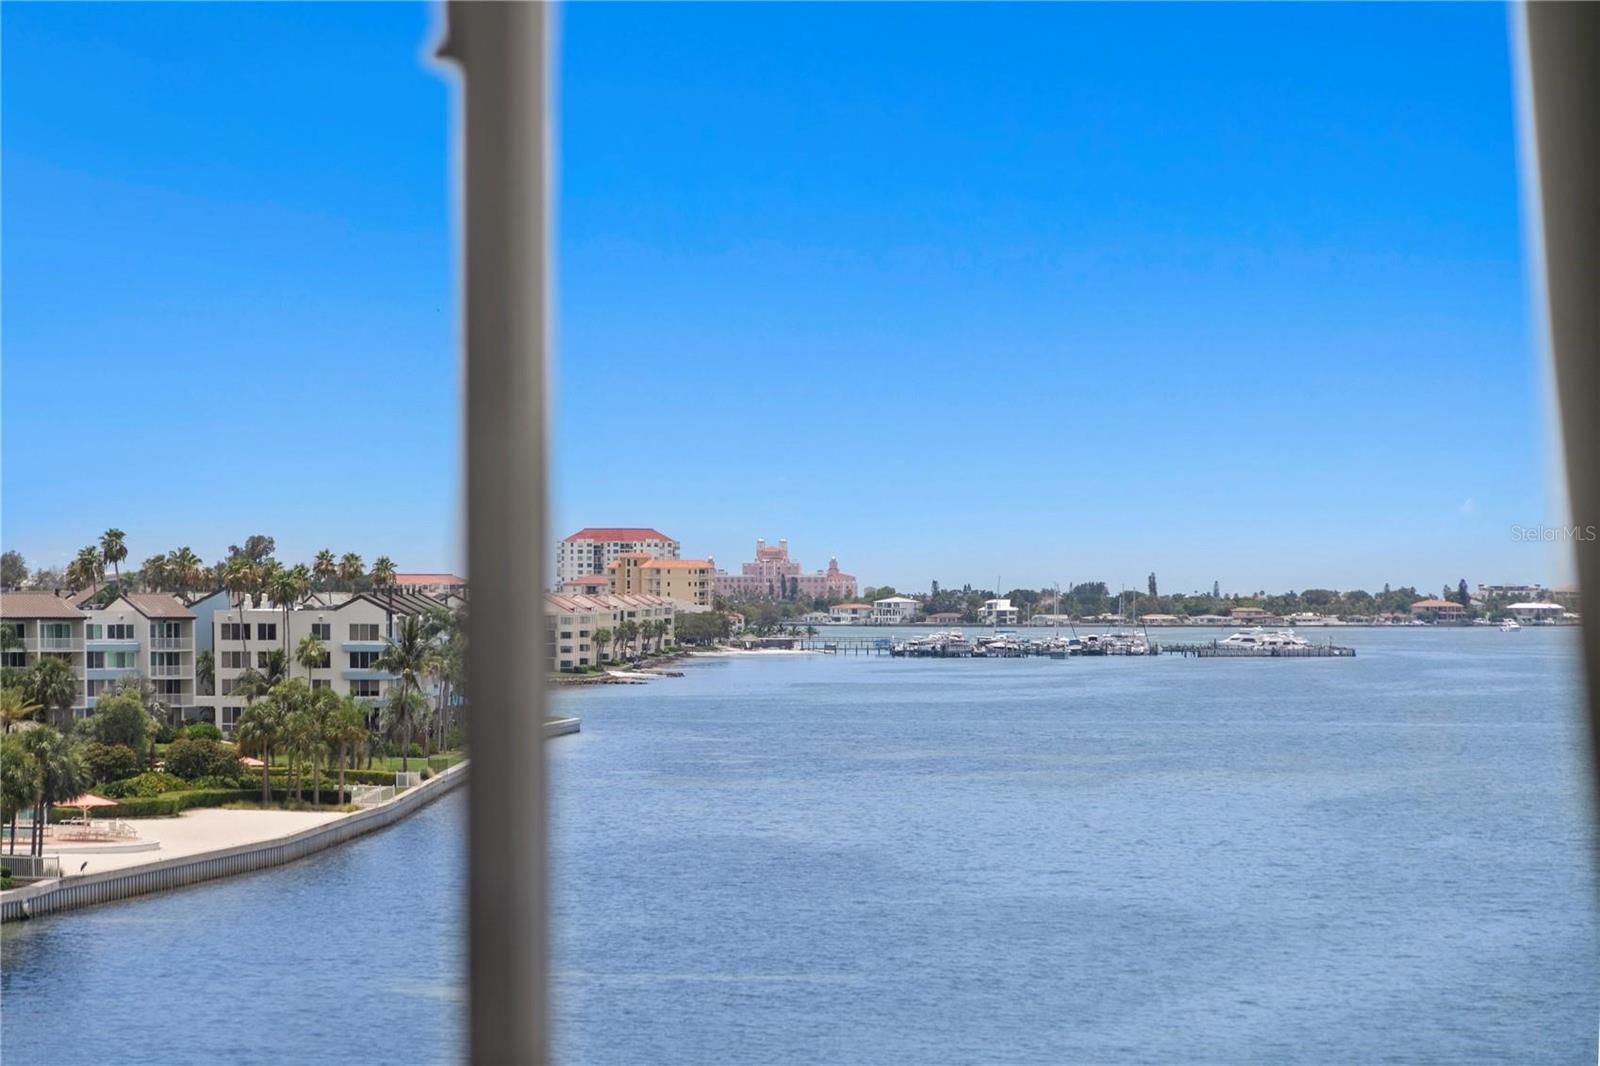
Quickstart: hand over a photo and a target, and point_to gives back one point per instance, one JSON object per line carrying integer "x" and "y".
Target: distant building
{"x": 572, "y": 622}
{"x": 1160, "y": 620}
{"x": 772, "y": 575}
{"x": 588, "y": 583}
{"x": 591, "y": 549}
{"x": 1440, "y": 611}
{"x": 849, "y": 614}
{"x": 1518, "y": 593}
{"x": 945, "y": 618}
{"x": 1536, "y": 613}
{"x": 1251, "y": 615}
{"x": 432, "y": 584}
{"x": 997, "y": 613}
{"x": 687, "y": 582}
{"x": 894, "y": 610}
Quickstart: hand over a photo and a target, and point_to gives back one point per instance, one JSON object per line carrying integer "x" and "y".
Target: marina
{"x": 1006, "y": 644}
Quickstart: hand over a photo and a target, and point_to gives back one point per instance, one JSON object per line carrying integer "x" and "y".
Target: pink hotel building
{"x": 773, "y": 575}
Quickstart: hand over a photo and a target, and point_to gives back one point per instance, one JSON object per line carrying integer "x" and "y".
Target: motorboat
{"x": 1510, "y": 625}
{"x": 1263, "y": 641}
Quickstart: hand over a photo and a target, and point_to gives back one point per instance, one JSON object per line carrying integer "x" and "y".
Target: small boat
{"x": 1510, "y": 625}
{"x": 1263, "y": 642}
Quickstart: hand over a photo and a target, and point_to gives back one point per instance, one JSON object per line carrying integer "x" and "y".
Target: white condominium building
{"x": 592, "y": 549}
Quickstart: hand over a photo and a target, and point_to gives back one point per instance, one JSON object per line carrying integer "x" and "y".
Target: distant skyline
{"x": 1048, "y": 293}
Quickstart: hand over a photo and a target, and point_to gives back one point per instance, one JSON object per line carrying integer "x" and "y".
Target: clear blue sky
{"x": 1042, "y": 292}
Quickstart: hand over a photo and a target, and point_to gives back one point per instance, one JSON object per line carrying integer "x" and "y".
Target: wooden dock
{"x": 1217, "y": 650}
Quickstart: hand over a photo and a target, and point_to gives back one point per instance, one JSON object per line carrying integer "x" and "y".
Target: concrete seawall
{"x": 70, "y": 893}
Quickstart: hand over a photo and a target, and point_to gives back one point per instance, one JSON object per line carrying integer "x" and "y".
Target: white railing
{"x": 176, "y": 699}
{"x": 371, "y": 795}
{"x": 32, "y": 867}
{"x": 54, "y": 643}
{"x": 171, "y": 643}
{"x": 167, "y": 670}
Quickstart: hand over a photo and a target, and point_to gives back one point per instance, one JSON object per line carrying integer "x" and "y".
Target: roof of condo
{"x": 629, "y": 533}
{"x": 156, "y": 605}
{"x": 37, "y": 605}
{"x": 586, "y": 601}
{"x": 676, "y": 564}
{"x": 429, "y": 579}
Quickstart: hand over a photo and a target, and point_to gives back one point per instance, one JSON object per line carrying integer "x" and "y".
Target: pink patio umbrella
{"x": 86, "y": 802}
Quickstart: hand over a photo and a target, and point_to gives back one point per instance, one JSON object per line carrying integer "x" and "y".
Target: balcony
{"x": 53, "y": 643}
{"x": 171, "y": 643}
{"x": 364, "y": 645}
{"x": 368, "y": 675}
{"x": 175, "y": 699}
{"x": 114, "y": 643}
{"x": 165, "y": 670}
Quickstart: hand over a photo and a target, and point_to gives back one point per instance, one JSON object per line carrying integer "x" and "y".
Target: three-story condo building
{"x": 592, "y": 549}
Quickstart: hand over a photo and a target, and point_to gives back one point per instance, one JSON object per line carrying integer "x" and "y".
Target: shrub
{"x": 165, "y": 734}
{"x": 144, "y": 786}
{"x": 213, "y": 782}
{"x": 192, "y": 759}
{"x": 426, "y": 773}
{"x": 110, "y": 762}
{"x": 202, "y": 731}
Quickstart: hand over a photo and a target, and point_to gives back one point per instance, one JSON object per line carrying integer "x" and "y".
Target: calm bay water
{"x": 860, "y": 860}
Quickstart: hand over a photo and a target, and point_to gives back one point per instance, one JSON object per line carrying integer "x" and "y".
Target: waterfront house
{"x": 147, "y": 634}
{"x": 1160, "y": 620}
{"x": 1209, "y": 620}
{"x": 685, "y": 581}
{"x": 43, "y": 625}
{"x": 894, "y": 610}
{"x": 1439, "y": 612}
{"x": 945, "y": 618}
{"x": 592, "y": 549}
{"x": 998, "y": 612}
{"x": 1536, "y": 613}
{"x": 1252, "y": 616}
{"x": 850, "y": 614}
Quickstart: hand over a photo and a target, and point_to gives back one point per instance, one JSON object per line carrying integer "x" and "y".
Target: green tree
{"x": 84, "y": 571}
{"x": 241, "y": 578}
{"x": 351, "y": 570}
{"x": 310, "y": 653}
{"x": 19, "y": 778}
{"x": 258, "y": 548}
{"x": 262, "y": 728}
{"x": 110, "y": 762}
{"x": 320, "y": 709}
{"x": 287, "y": 587}
{"x": 58, "y": 776}
{"x": 348, "y": 729}
{"x": 205, "y": 671}
{"x": 628, "y": 633}
{"x": 15, "y": 706}
{"x": 13, "y": 570}
{"x": 324, "y": 568}
{"x": 408, "y": 655}
{"x": 114, "y": 549}
{"x": 403, "y": 709}
{"x": 122, "y": 718}
{"x": 51, "y": 684}
{"x": 383, "y": 574}
{"x": 1463, "y": 597}
{"x": 602, "y": 640}
{"x": 185, "y": 569}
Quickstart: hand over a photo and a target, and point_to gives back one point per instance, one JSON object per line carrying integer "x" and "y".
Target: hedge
{"x": 174, "y": 803}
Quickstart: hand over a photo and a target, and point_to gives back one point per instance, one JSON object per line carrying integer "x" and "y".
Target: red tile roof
{"x": 676, "y": 564}
{"x": 429, "y": 579}
{"x": 617, "y": 533}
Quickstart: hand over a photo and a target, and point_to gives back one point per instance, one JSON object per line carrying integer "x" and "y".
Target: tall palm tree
{"x": 602, "y": 637}
{"x": 351, "y": 570}
{"x": 241, "y": 579}
{"x": 320, "y": 709}
{"x": 409, "y": 655}
{"x": 402, "y": 715}
{"x": 299, "y": 743}
{"x": 18, "y": 781}
{"x": 15, "y": 706}
{"x": 153, "y": 574}
{"x": 324, "y": 568}
{"x": 114, "y": 549}
{"x": 383, "y": 573}
{"x": 51, "y": 683}
{"x": 186, "y": 568}
{"x": 85, "y": 570}
{"x": 628, "y": 632}
{"x": 310, "y": 654}
{"x": 284, "y": 589}
{"x": 259, "y": 732}
{"x": 58, "y": 775}
{"x": 348, "y": 729}
{"x": 205, "y": 670}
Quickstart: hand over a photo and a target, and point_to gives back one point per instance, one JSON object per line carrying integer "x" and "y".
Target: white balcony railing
{"x": 54, "y": 643}
{"x": 166, "y": 670}
{"x": 172, "y": 643}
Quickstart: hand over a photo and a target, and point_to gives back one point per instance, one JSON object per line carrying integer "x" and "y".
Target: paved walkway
{"x": 195, "y": 831}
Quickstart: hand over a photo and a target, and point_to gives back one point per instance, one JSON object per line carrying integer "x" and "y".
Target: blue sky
{"x": 1042, "y": 292}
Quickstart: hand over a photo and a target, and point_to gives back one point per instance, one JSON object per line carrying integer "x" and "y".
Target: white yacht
{"x": 1264, "y": 641}
{"x": 1510, "y": 625}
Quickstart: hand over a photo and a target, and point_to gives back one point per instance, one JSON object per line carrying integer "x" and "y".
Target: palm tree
{"x": 320, "y": 709}
{"x": 383, "y": 573}
{"x": 51, "y": 683}
{"x": 260, "y": 729}
{"x": 310, "y": 654}
{"x": 286, "y": 588}
{"x": 300, "y": 741}
{"x": 351, "y": 570}
{"x": 409, "y": 655}
{"x": 323, "y": 568}
{"x": 403, "y": 709}
{"x": 18, "y": 780}
{"x": 241, "y": 579}
{"x": 113, "y": 550}
{"x": 15, "y": 706}
{"x": 602, "y": 637}
{"x": 187, "y": 570}
{"x": 627, "y": 632}
{"x": 348, "y": 729}
{"x": 153, "y": 574}
{"x": 205, "y": 670}
{"x": 58, "y": 775}
{"x": 84, "y": 571}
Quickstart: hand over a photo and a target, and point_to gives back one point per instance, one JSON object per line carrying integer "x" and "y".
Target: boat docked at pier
{"x": 1263, "y": 641}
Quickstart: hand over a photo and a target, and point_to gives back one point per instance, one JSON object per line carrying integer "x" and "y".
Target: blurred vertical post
{"x": 1562, "y": 75}
{"x": 504, "y": 169}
